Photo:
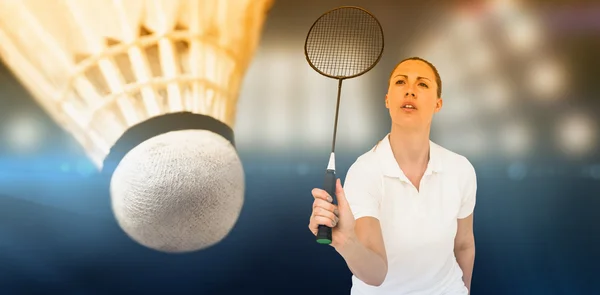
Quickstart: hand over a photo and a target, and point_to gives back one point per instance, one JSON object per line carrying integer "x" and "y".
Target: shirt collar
{"x": 390, "y": 166}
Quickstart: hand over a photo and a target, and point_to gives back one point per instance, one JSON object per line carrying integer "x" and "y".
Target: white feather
{"x": 100, "y": 66}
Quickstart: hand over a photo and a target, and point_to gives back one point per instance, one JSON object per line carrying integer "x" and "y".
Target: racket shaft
{"x": 324, "y": 234}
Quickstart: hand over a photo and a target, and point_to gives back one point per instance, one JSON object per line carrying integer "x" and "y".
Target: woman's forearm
{"x": 364, "y": 263}
{"x": 466, "y": 258}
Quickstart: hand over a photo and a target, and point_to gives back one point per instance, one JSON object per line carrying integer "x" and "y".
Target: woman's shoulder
{"x": 368, "y": 159}
{"x": 453, "y": 160}
{"x": 364, "y": 174}
{"x": 365, "y": 165}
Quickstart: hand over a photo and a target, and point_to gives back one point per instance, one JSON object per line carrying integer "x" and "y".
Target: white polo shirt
{"x": 418, "y": 226}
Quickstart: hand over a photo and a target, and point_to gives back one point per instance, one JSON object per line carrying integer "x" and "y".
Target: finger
{"x": 325, "y": 213}
{"x": 313, "y": 226}
{"x": 325, "y": 205}
{"x": 316, "y": 221}
{"x": 339, "y": 193}
{"x": 320, "y": 220}
{"x": 321, "y": 194}
{"x": 320, "y": 212}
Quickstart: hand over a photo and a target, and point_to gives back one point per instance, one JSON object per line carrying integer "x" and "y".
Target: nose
{"x": 410, "y": 91}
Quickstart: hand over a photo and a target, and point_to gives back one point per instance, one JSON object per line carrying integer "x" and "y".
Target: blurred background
{"x": 521, "y": 101}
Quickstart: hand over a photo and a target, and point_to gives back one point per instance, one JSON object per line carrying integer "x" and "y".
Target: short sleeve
{"x": 469, "y": 190}
{"x": 362, "y": 189}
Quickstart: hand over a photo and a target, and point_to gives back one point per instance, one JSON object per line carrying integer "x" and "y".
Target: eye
{"x": 423, "y": 84}
{"x": 400, "y": 82}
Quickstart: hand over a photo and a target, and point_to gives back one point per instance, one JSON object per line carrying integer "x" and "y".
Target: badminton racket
{"x": 343, "y": 43}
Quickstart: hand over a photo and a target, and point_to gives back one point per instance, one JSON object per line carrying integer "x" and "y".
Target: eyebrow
{"x": 418, "y": 78}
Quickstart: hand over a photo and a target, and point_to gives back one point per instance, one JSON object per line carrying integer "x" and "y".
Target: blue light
{"x": 85, "y": 168}
{"x": 517, "y": 171}
{"x": 65, "y": 167}
{"x": 303, "y": 169}
{"x": 595, "y": 172}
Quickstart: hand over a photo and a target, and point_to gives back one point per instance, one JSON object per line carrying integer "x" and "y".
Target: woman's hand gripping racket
{"x": 343, "y": 43}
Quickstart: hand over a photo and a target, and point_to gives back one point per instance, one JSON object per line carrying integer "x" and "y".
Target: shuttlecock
{"x": 149, "y": 89}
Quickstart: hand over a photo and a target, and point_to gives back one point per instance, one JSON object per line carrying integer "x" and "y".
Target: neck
{"x": 410, "y": 147}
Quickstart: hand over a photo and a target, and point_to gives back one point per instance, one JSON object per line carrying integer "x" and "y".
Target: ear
{"x": 438, "y": 104}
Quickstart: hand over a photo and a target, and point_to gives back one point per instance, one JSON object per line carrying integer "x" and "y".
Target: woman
{"x": 403, "y": 221}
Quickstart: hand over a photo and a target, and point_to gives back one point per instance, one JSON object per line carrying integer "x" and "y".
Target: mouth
{"x": 409, "y": 106}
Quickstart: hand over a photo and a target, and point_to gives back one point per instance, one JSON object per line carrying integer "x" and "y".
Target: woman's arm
{"x": 357, "y": 235}
{"x": 464, "y": 248}
{"x": 364, "y": 252}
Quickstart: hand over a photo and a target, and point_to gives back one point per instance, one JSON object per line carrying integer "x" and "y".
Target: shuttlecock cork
{"x": 149, "y": 89}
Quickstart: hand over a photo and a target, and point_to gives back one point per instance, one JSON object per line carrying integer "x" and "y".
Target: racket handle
{"x": 324, "y": 233}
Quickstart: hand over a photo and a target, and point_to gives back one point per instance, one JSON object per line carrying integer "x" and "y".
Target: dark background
{"x": 521, "y": 102}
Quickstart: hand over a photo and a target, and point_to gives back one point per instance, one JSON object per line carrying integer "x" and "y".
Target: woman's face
{"x": 412, "y": 95}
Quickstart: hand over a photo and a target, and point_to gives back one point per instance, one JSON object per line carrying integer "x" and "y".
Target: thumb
{"x": 340, "y": 194}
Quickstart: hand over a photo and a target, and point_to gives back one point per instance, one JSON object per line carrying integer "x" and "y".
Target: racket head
{"x": 344, "y": 42}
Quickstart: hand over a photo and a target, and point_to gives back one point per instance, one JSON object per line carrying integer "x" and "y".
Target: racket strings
{"x": 345, "y": 43}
